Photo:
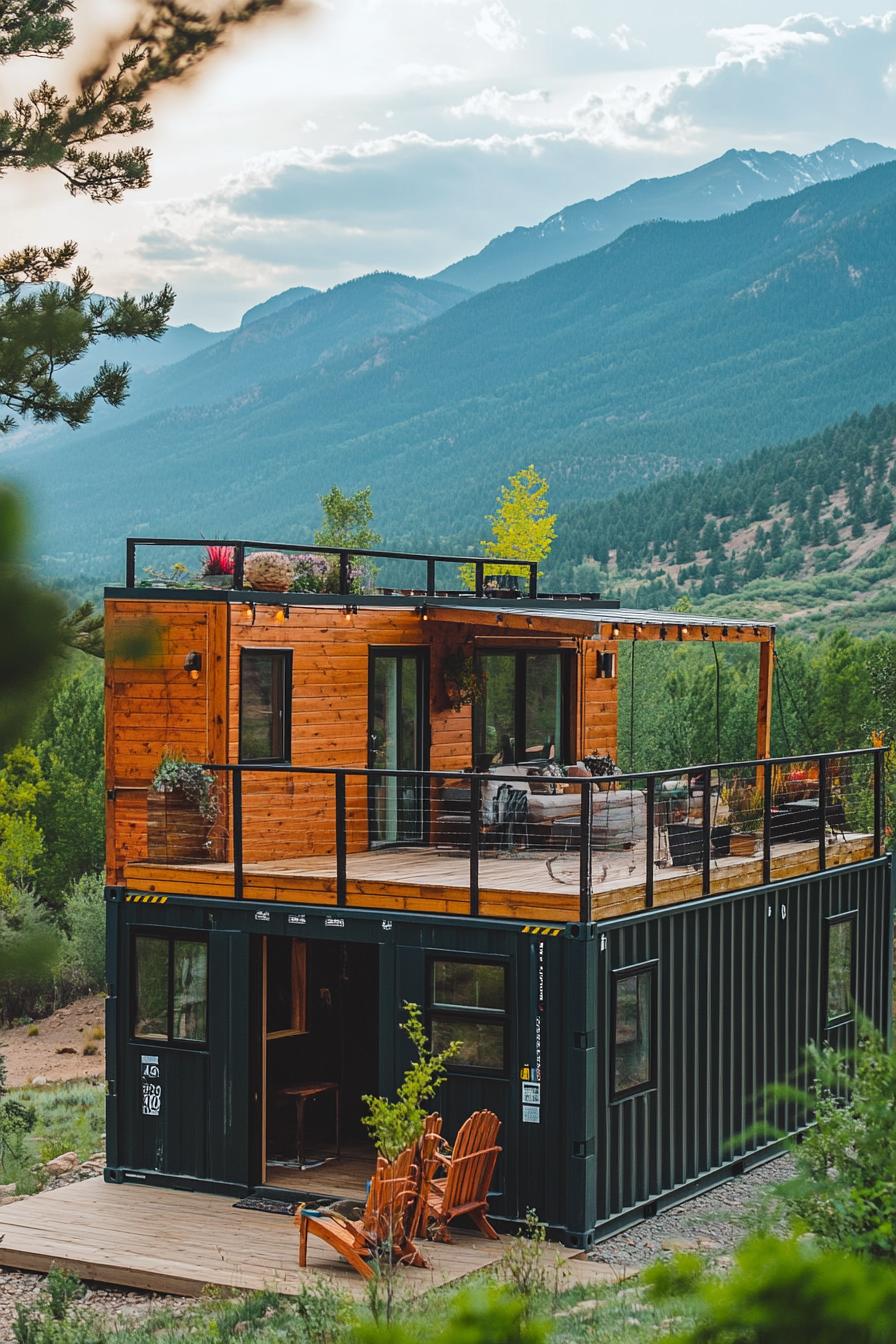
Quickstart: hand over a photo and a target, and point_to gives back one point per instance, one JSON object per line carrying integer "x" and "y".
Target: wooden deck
{"x": 529, "y": 885}
{"x": 175, "y": 1241}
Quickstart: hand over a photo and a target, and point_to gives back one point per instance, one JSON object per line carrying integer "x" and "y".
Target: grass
{"x": 620, "y": 1314}
{"x": 68, "y": 1118}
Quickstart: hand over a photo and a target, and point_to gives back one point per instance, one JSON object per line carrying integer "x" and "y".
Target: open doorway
{"x": 319, "y": 1056}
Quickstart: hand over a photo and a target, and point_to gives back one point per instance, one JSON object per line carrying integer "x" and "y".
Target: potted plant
{"x": 269, "y": 571}
{"x": 217, "y": 566}
{"x": 181, "y": 808}
{"x": 744, "y": 802}
{"x": 463, "y": 684}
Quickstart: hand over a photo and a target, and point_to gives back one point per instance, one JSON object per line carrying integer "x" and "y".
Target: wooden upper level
{"x": 342, "y": 728}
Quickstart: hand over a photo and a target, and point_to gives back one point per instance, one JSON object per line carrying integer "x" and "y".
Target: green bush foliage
{"x": 845, "y": 1191}
{"x": 83, "y": 963}
{"x": 783, "y": 1292}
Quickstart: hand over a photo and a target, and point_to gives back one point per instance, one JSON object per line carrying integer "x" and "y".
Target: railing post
{"x": 533, "y": 580}
{"x": 706, "y": 831}
{"x": 343, "y": 571}
{"x": 475, "y": 802}
{"x": 130, "y": 563}
{"x": 479, "y": 577}
{"x": 237, "y": 834}
{"x": 585, "y": 886}
{"x": 651, "y": 820}
{"x": 823, "y": 813}
{"x": 766, "y": 822}
{"x": 430, "y": 578}
{"x": 339, "y": 779}
{"x": 239, "y": 560}
{"x": 878, "y": 801}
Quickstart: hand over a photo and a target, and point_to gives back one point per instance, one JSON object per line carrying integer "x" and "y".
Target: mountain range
{"x": 731, "y": 182}
{"x": 676, "y": 344}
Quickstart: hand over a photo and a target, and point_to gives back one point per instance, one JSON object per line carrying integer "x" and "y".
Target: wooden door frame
{"x": 421, "y": 655}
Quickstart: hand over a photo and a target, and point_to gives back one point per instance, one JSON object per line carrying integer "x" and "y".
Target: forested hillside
{"x": 678, "y": 344}
{"x": 804, "y": 528}
{"x": 731, "y": 182}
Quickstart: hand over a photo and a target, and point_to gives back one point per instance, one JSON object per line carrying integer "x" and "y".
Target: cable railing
{"x": 343, "y": 571}
{"x": 478, "y": 843}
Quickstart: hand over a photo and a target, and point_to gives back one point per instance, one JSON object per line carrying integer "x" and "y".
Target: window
{"x": 839, "y": 968}
{"x": 633, "y": 1017}
{"x": 265, "y": 686}
{"x": 468, "y": 1003}
{"x": 170, "y": 1000}
{"x": 524, "y": 712}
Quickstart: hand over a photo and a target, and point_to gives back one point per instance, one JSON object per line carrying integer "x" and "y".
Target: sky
{"x": 404, "y": 134}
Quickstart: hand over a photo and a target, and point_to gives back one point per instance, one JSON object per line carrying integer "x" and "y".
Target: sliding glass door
{"x": 524, "y": 712}
{"x": 397, "y": 741}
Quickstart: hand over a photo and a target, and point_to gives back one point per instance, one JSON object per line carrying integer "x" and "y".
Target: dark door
{"x": 397, "y": 737}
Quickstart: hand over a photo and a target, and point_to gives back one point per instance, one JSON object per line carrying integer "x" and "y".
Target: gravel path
{"x": 17, "y": 1286}
{"x": 713, "y": 1222}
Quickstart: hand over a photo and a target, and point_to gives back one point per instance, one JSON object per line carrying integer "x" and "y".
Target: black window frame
{"x": 841, "y": 1019}
{"x": 283, "y": 657}
{"x": 171, "y": 936}
{"x": 461, "y": 1012}
{"x": 650, "y": 968}
{"x": 563, "y": 748}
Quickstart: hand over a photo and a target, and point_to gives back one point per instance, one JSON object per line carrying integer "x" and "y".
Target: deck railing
{"x": 353, "y": 577}
{"x": 656, "y": 837}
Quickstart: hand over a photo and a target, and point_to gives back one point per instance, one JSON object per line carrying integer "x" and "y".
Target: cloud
{"x": 582, "y": 33}
{"x": 496, "y": 26}
{"x": 499, "y": 105}
{"x": 415, "y": 75}
{"x": 623, "y": 39}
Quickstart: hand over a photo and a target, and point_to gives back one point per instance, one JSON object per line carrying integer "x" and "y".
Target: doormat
{"x": 268, "y": 1205}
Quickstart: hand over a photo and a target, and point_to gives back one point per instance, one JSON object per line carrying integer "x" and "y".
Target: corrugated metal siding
{"x": 740, "y": 995}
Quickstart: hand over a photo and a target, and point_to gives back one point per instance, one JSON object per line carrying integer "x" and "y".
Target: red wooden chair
{"x": 381, "y": 1229}
{"x": 464, "y": 1189}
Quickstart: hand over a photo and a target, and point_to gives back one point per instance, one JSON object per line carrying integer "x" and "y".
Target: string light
{"x": 724, "y": 632}
{"x": 281, "y": 614}
{"x": 663, "y": 632}
{"x": 704, "y": 633}
{"x": 615, "y": 631}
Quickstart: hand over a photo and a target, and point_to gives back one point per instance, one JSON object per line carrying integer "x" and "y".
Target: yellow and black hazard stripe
{"x": 138, "y": 899}
{"x": 543, "y": 930}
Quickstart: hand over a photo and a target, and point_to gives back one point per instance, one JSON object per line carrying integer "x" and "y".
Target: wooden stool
{"x": 306, "y": 1092}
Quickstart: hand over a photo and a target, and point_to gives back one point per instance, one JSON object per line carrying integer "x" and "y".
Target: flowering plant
{"x": 310, "y": 573}
{"x": 218, "y": 560}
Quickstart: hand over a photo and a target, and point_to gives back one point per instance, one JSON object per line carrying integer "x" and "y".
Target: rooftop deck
{"x": 541, "y": 868}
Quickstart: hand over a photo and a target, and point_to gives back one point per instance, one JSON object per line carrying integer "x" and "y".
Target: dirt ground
{"x": 56, "y": 1052}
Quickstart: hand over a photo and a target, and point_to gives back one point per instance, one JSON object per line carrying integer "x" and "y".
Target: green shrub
{"x": 30, "y": 947}
{"x": 845, "y": 1190}
{"x": 783, "y": 1292}
{"x": 83, "y": 962}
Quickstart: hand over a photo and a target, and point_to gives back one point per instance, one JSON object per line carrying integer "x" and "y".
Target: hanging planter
{"x": 462, "y": 683}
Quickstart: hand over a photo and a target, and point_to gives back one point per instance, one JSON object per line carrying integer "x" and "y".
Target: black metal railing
{"x": 506, "y": 574}
{"x": 716, "y": 827}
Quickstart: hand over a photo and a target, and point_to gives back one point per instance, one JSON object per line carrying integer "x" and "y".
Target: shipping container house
{"x": 412, "y": 803}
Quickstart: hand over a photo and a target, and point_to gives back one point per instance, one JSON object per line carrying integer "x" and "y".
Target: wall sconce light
{"x": 615, "y": 631}
{"x": 605, "y": 664}
{"x": 422, "y": 613}
{"x": 683, "y": 631}
{"x": 192, "y": 664}
{"x": 724, "y": 632}
{"x": 704, "y": 633}
{"x": 350, "y": 611}
{"x": 663, "y": 632}
{"x": 499, "y": 619}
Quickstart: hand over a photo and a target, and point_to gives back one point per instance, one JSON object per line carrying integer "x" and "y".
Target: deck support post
{"x": 339, "y": 779}
{"x": 585, "y": 885}
{"x": 764, "y": 700}
{"x": 766, "y": 772}
{"x": 475, "y": 800}
{"x": 878, "y": 801}
{"x": 649, "y": 860}
{"x": 823, "y": 812}
{"x": 237, "y": 834}
{"x": 706, "y": 831}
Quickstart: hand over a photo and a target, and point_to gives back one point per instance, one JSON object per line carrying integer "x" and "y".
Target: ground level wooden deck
{"x": 176, "y": 1241}
{"x": 528, "y": 885}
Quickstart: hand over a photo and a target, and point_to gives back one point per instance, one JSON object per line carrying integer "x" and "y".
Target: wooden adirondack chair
{"x": 427, "y": 1158}
{"x": 382, "y": 1227}
{"x": 464, "y": 1190}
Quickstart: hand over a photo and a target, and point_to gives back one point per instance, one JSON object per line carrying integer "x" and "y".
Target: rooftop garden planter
{"x": 181, "y": 810}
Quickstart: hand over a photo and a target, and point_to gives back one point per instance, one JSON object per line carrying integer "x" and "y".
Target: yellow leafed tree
{"x": 522, "y": 527}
